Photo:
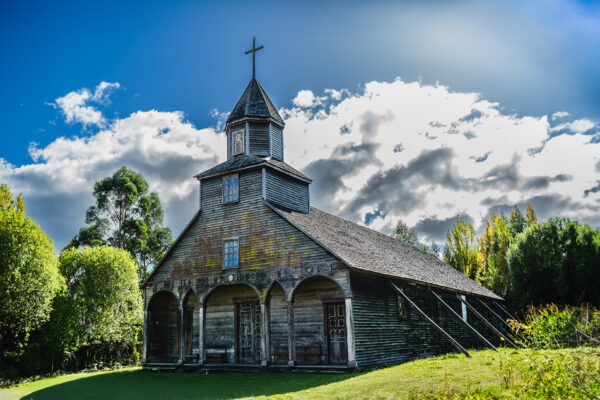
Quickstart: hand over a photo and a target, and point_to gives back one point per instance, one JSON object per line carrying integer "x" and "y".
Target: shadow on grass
{"x": 170, "y": 385}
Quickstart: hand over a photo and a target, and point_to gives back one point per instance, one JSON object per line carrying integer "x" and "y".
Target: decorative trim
{"x": 264, "y": 184}
{"x": 200, "y": 194}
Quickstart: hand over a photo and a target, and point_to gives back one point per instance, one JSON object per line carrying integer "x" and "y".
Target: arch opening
{"x": 163, "y": 317}
{"x": 233, "y": 325}
{"x": 320, "y": 322}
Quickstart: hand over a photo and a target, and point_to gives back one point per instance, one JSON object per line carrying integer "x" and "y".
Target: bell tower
{"x": 254, "y": 126}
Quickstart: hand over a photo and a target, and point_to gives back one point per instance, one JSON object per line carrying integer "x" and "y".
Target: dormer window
{"x": 230, "y": 189}
{"x": 238, "y": 142}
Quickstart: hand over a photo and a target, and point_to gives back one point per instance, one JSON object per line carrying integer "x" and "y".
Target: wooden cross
{"x": 253, "y": 51}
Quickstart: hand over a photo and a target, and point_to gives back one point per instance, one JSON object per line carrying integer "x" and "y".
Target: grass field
{"x": 483, "y": 370}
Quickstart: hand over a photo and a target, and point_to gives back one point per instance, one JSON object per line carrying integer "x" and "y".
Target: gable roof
{"x": 254, "y": 103}
{"x": 365, "y": 249}
{"x": 247, "y": 161}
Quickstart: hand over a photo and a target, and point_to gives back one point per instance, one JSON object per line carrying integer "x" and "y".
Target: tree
{"x": 517, "y": 222}
{"x": 29, "y": 277}
{"x": 498, "y": 269}
{"x": 102, "y": 303}
{"x": 531, "y": 217}
{"x": 461, "y": 250}
{"x": 556, "y": 261}
{"x": 128, "y": 217}
{"x": 405, "y": 233}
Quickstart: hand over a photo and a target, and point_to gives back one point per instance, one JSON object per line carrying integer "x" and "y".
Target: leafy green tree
{"x": 405, "y": 233}
{"x": 556, "y": 261}
{"x": 29, "y": 277}
{"x": 531, "y": 216}
{"x": 102, "y": 303}
{"x": 461, "y": 251}
{"x": 498, "y": 268}
{"x": 128, "y": 217}
{"x": 517, "y": 222}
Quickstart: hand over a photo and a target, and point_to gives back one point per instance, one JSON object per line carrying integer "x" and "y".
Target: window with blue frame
{"x": 231, "y": 253}
{"x": 230, "y": 189}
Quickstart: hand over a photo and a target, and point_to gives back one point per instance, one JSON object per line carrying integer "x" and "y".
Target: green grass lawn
{"x": 483, "y": 370}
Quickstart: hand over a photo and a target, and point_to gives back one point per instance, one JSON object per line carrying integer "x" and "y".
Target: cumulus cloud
{"x": 393, "y": 150}
{"x": 75, "y": 105}
{"x": 559, "y": 114}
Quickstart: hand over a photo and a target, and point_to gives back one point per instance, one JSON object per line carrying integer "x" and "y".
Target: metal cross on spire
{"x": 253, "y": 51}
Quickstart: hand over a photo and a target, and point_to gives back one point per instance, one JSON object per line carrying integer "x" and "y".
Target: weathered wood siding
{"x": 309, "y": 324}
{"x": 287, "y": 192}
{"x": 383, "y": 338}
{"x": 191, "y": 327}
{"x": 220, "y": 332}
{"x": 278, "y": 327}
{"x": 259, "y": 139}
{"x": 267, "y": 242}
{"x": 276, "y": 142}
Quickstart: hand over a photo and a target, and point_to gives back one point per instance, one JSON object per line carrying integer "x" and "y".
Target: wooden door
{"x": 335, "y": 326}
{"x": 249, "y": 333}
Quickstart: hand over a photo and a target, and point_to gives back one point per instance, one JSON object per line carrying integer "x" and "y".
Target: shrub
{"x": 553, "y": 327}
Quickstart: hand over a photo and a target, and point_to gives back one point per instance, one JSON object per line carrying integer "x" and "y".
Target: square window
{"x": 231, "y": 252}
{"x": 230, "y": 189}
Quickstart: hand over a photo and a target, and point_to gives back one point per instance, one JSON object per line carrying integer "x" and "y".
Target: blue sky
{"x": 532, "y": 59}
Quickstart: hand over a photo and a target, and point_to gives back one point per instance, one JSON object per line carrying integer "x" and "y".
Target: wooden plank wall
{"x": 259, "y": 139}
{"x": 278, "y": 327}
{"x": 309, "y": 328}
{"x": 286, "y": 192}
{"x": 383, "y": 338}
{"x": 219, "y": 331}
{"x": 266, "y": 240}
{"x": 276, "y": 142}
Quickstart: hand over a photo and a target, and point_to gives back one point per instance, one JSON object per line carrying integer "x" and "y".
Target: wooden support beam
{"x": 291, "y": 343}
{"x": 181, "y": 335}
{"x": 495, "y": 314}
{"x": 264, "y": 334}
{"x": 485, "y": 321}
{"x": 350, "y": 333}
{"x": 491, "y": 346}
{"x": 201, "y": 334}
{"x": 146, "y": 338}
{"x": 501, "y": 307}
{"x": 439, "y": 328}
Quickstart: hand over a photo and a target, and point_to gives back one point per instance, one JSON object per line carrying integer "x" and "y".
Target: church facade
{"x": 260, "y": 279}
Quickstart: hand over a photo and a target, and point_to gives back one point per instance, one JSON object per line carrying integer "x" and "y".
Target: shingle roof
{"x": 246, "y": 161}
{"x": 254, "y": 103}
{"x": 363, "y": 248}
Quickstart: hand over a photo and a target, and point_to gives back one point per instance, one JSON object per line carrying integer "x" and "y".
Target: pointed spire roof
{"x": 254, "y": 103}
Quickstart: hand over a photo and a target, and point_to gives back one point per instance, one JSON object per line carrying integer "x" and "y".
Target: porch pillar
{"x": 145, "y": 333}
{"x": 350, "y": 333}
{"x": 181, "y": 334}
{"x": 264, "y": 335}
{"x": 201, "y": 334}
{"x": 291, "y": 340}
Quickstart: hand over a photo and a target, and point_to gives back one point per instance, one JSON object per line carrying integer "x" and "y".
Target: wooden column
{"x": 181, "y": 335}
{"x": 291, "y": 344}
{"x": 201, "y": 334}
{"x": 350, "y": 333}
{"x": 264, "y": 333}
{"x": 146, "y": 330}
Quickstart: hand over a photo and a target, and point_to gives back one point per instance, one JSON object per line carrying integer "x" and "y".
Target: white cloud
{"x": 559, "y": 114}
{"x": 75, "y": 108}
{"x": 422, "y": 153}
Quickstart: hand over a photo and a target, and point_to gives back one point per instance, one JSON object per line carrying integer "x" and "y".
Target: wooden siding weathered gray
{"x": 276, "y": 142}
{"x": 287, "y": 192}
{"x": 259, "y": 139}
{"x": 383, "y": 338}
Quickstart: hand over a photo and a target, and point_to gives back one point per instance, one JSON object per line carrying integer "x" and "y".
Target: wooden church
{"x": 259, "y": 278}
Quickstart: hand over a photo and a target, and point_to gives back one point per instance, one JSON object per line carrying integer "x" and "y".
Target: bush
{"x": 554, "y": 327}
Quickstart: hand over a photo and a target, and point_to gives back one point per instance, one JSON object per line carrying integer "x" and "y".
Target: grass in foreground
{"x": 486, "y": 370}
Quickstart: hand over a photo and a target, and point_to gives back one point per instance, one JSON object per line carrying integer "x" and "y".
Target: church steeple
{"x": 254, "y": 126}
